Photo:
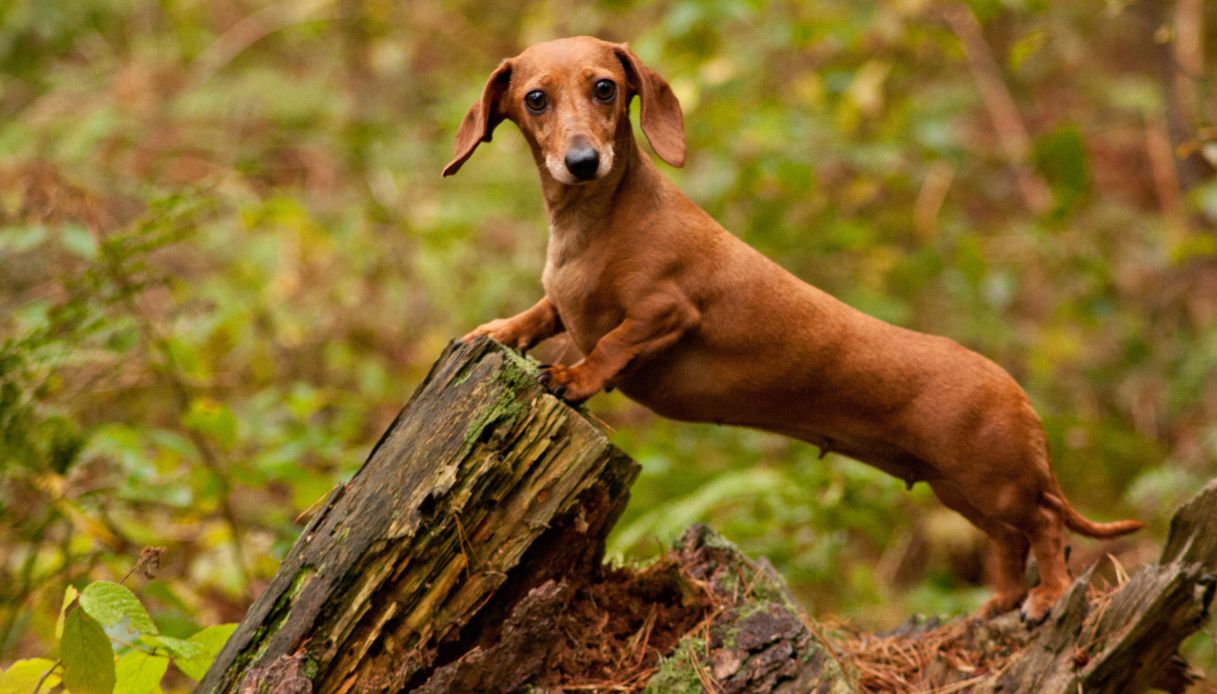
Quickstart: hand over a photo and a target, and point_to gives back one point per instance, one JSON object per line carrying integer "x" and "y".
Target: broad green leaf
{"x": 23, "y": 675}
{"x": 69, "y": 596}
{"x": 140, "y": 673}
{"x": 88, "y": 659}
{"x": 180, "y": 648}
{"x": 109, "y": 603}
{"x": 211, "y": 640}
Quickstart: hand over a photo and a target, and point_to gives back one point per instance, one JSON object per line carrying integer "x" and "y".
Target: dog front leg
{"x": 522, "y": 330}
{"x": 651, "y": 328}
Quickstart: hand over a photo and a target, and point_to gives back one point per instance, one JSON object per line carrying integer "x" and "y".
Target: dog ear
{"x": 479, "y": 123}
{"x": 662, "y": 121}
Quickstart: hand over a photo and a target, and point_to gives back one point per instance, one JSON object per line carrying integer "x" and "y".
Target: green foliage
{"x": 109, "y": 644}
{"x": 88, "y": 661}
{"x": 139, "y": 672}
{"x": 22, "y": 676}
{"x": 226, "y": 256}
{"x": 209, "y": 642}
{"x": 110, "y": 603}
{"x": 677, "y": 673}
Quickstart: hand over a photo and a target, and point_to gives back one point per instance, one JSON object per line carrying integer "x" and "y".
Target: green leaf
{"x": 23, "y": 675}
{"x": 109, "y": 603}
{"x": 180, "y": 648}
{"x": 211, "y": 640}
{"x": 88, "y": 659}
{"x": 140, "y": 673}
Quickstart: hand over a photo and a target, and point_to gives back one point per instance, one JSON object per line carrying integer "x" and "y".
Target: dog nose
{"x": 582, "y": 162}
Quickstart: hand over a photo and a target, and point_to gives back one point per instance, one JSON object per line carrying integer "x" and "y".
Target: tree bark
{"x": 484, "y": 487}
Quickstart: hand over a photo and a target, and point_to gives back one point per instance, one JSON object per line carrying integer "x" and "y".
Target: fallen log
{"x": 466, "y": 556}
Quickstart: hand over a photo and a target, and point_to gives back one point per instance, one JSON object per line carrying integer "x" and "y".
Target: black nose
{"x": 582, "y": 162}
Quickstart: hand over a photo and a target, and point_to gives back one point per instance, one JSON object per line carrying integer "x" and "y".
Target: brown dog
{"x": 693, "y": 323}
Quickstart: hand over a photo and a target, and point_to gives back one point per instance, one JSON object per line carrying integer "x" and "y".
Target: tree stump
{"x": 484, "y": 487}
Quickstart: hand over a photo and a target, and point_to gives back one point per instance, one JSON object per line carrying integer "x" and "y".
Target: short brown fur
{"x": 695, "y": 324}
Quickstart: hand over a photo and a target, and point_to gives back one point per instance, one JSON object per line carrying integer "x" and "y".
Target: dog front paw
{"x": 574, "y": 384}
{"x": 502, "y": 330}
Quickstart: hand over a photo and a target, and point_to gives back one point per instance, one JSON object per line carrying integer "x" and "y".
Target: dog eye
{"x": 605, "y": 90}
{"x": 535, "y": 101}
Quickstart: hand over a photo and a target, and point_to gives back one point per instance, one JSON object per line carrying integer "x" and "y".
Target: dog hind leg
{"x": 1048, "y": 545}
{"x": 1006, "y": 561}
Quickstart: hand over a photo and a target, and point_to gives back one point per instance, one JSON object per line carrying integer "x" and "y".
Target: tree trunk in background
{"x": 483, "y": 487}
{"x": 465, "y": 556}
{"x": 1178, "y": 67}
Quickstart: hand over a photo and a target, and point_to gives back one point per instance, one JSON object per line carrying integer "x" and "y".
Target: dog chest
{"x": 573, "y": 279}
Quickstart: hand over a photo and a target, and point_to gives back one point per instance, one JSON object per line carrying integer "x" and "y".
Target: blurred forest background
{"x": 227, "y": 256}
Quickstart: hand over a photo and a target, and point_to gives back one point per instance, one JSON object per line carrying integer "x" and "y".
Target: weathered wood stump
{"x": 484, "y": 487}
{"x": 465, "y": 556}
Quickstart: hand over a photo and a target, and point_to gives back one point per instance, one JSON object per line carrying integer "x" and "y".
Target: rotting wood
{"x": 756, "y": 640}
{"x": 482, "y": 488}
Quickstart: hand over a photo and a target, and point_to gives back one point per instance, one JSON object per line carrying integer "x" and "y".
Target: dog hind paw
{"x": 1037, "y": 607}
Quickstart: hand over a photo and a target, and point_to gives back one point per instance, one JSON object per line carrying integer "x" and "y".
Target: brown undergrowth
{"x": 930, "y": 656}
{"x": 620, "y": 631}
{"x": 933, "y": 656}
{"x": 616, "y": 630}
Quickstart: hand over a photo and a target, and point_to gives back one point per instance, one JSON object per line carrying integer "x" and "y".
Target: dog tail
{"x": 1078, "y": 523}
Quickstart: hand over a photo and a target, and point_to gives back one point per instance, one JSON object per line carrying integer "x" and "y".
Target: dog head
{"x": 571, "y": 100}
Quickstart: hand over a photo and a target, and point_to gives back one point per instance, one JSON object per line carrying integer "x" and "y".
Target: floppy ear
{"x": 662, "y": 121}
{"x": 483, "y": 116}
